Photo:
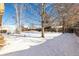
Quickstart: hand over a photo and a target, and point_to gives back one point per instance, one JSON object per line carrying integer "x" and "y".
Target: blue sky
{"x": 8, "y": 13}
{"x": 29, "y": 15}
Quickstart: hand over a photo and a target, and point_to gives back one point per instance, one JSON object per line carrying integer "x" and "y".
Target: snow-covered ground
{"x": 31, "y": 43}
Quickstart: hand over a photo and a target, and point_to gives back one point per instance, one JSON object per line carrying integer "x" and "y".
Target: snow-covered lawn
{"x": 31, "y": 43}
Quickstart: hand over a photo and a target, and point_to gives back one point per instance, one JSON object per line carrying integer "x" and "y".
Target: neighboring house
{"x": 9, "y": 28}
{"x": 24, "y": 28}
{"x": 76, "y": 28}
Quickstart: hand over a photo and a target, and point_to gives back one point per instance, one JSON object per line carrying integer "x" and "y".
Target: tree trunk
{"x": 63, "y": 25}
{"x": 43, "y": 12}
{"x": 42, "y": 28}
{"x": 17, "y": 19}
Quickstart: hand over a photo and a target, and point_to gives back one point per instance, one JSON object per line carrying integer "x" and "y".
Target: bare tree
{"x": 74, "y": 12}
{"x": 18, "y": 8}
{"x": 17, "y": 18}
{"x": 40, "y": 11}
{"x": 63, "y": 10}
{"x": 43, "y": 16}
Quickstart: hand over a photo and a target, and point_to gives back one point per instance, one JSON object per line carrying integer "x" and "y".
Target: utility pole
{"x": 42, "y": 16}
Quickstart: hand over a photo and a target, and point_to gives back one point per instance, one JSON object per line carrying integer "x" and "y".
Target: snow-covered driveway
{"x": 53, "y": 44}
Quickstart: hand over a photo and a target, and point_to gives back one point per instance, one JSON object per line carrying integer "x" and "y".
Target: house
{"x": 2, "y": 41}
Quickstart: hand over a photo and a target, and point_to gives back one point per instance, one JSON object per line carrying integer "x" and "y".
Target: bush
{"x": 2, "y": 41}
{"x": 70, "y": 30}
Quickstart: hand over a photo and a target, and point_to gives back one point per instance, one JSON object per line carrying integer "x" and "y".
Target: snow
{"x": 16, "y": 42}
{"x": 9, "y": 28}
{"x": 31, "y": 44}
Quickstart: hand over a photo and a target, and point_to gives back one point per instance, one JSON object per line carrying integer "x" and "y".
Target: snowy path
{"x": 54, "y": 44}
